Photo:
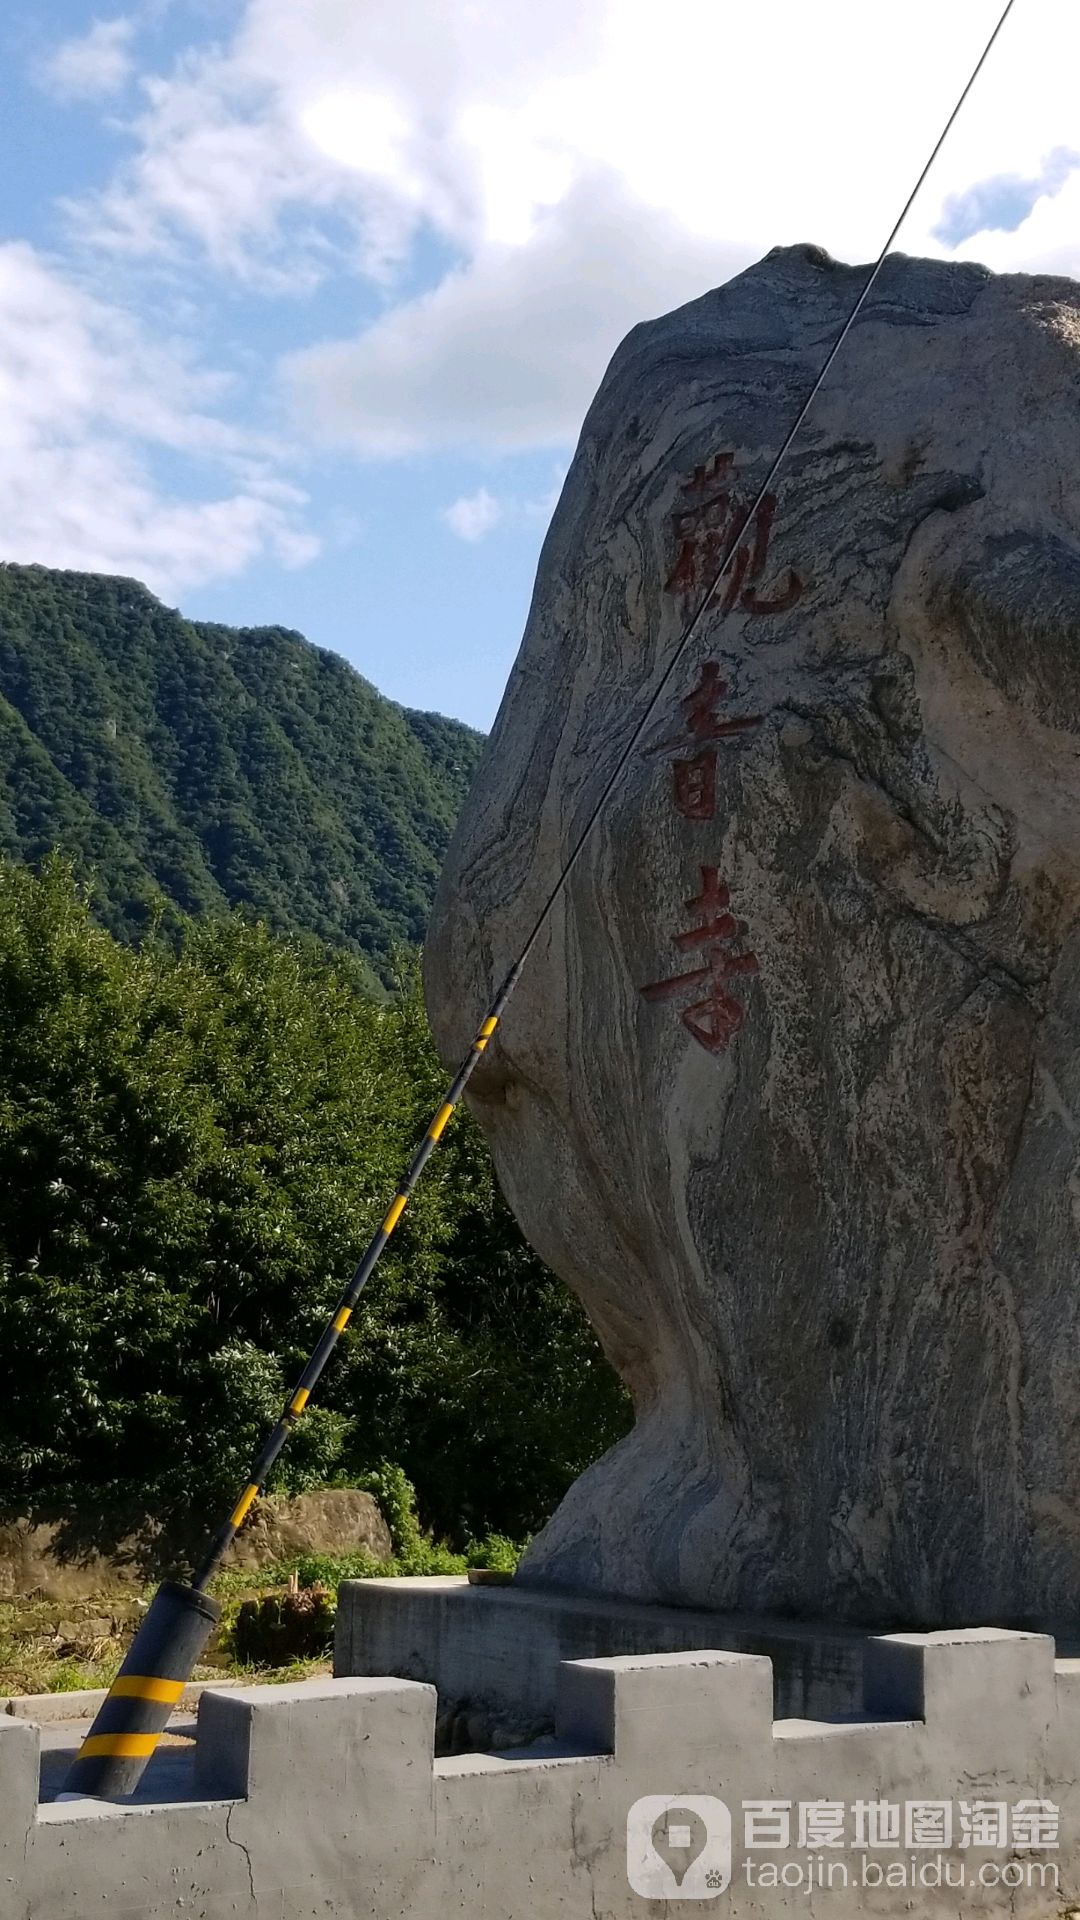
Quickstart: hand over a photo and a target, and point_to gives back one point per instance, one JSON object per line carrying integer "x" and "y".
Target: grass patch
{"x": 50, "y": 1647}
{"x": 329, "y": 1569}
{"x": 55, "y": 1649}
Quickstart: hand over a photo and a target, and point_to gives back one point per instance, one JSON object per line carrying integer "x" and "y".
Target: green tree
{"x": 475, "y": 1368}
{"x": 196, "y": 1139}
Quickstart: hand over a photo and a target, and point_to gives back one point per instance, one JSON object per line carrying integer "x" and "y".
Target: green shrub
{"x": 330, "y": 1569}
{"x": 197, "y": 1139}
{"x": 495, "y": 1552}
{"x": 395, "y": 1494}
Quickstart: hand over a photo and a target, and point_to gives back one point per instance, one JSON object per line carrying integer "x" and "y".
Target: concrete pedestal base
{"x": 495, "y": 1651}
{"x": 666, "y": 1778}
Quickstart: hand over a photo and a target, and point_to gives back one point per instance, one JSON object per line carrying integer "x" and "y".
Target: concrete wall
{"x": 500, "y": 1648}
{"x": 323, "y": 1800}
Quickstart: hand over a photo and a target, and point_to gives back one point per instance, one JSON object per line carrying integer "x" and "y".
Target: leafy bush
{"x": 391, "y": 1488}
{"x": 196, "y": 1140}
{"x": 327, "y": 1569}
{"x": 495, "y": 1552}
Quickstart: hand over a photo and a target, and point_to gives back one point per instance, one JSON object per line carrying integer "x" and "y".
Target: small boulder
{"x": 333, "y": 1520}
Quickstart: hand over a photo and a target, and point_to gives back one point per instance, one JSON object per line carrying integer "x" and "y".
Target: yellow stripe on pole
{"x": 440, "y": 1121}
{"x": 486, "y": 1032}
{"x": 144, "y": 1686}
{"x": 244, "y": 1505}
{"x": 395, "y": 1213}
{"x": 300, "y": 1399}
{"x": 342, "y": 1318}
{"x": 119, "y": 1746}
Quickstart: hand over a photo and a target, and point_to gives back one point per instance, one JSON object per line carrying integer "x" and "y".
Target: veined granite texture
{"x": 790, "y": 1091}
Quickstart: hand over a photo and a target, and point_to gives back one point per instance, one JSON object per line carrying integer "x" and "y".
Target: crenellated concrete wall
{"x": 322, "y": 1799}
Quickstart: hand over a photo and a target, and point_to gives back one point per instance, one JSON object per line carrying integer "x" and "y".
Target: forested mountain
{"x": 217, "y": 766}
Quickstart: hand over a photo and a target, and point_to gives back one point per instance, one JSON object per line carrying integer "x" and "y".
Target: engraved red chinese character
{"x": 716, "y": 1017}
{"x": 714, "y": 475}
{"x": 695, "y": 785}
{"x": 704, "y": 531}
{"x": 695, "y": 775}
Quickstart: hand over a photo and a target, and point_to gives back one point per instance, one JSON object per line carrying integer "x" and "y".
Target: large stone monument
{"x": 790, "y": 1092}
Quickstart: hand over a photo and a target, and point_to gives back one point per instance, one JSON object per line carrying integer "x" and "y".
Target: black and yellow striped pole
{"x": 141, "y": 1700}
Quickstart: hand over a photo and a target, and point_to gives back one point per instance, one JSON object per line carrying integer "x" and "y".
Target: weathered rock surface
{"x": 40, "y": 1559}
{"x": 790, "y": 1093}
{"x": 327, "y": 1520}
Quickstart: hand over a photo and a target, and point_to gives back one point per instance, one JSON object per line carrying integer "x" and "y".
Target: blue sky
{"x": 301, "y": 305}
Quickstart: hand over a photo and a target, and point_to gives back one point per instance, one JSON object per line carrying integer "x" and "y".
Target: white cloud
{"x": 221, "y": 167}
{"x": 1048, "y": 241}
{"x": 93, "y": 65}
{"x": 588, "y": 163}
{"x": 473, "y": 515}
{"x": 1003, "y": 202}
{"x": 86, "y": 399}
{"x": 505, "y": 354}
{"x": 475, "y": 119}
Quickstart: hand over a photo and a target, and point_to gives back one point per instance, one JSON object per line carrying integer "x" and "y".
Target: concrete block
{"x": 674, "y": 1710}
{"x": 19, "y": 1762}
{"x": 311, "y": 1736}
{"x": 501, "y": 1647}
{"x": 128, "y": 1862}
{"x": 1065, "y": 1732}
{"x": 350, "y": 1759}
{"x": 976, "y": 1690}
{"x": 518, "y": 1841}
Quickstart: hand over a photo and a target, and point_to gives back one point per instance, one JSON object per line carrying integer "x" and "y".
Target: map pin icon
{"x": 679, "y": 1836}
